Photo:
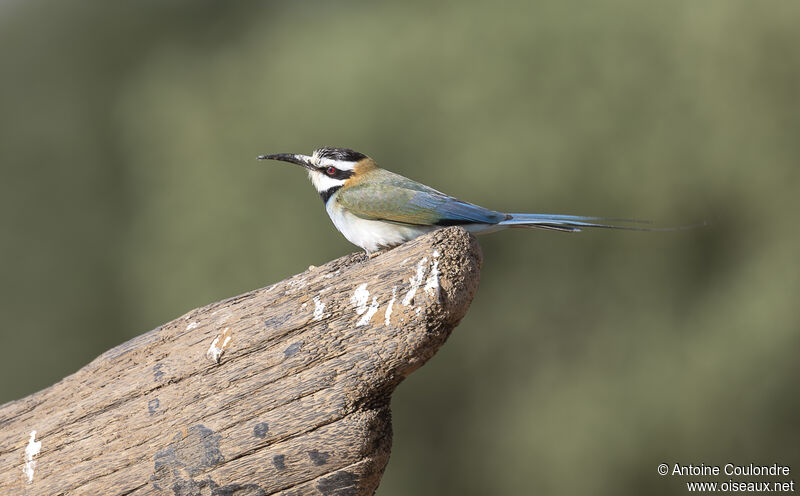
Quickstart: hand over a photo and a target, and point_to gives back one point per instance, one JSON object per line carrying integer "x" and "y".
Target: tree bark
{"x": 282, "y": 390}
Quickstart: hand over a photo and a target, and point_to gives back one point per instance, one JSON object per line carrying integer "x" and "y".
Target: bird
{"x": 377, "y": 209}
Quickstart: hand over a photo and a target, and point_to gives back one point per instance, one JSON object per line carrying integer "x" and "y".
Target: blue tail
{"x": 574, "y": 223}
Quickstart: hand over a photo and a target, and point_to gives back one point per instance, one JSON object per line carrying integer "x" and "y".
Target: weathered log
{"x": 282, "y": 390}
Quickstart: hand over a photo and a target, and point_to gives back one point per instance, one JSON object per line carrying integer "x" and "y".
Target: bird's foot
{"x": 373, "y": 254}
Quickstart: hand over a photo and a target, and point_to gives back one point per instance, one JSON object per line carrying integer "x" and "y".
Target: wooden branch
{"x": 283, "y": 390}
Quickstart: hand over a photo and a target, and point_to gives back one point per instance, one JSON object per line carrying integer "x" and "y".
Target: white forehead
{"x": 326, "y": 161}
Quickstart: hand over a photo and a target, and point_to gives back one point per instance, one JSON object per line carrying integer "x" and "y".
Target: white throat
{"x": 322, "y": 182}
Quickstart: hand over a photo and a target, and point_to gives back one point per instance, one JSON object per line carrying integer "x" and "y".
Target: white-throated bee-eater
{"x": 375, "y": 208}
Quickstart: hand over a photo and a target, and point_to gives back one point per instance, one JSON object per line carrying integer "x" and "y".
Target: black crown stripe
{"x": 343, "y": 154}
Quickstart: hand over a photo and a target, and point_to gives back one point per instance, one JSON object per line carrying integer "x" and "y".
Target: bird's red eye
{"x": 330, "y": 170}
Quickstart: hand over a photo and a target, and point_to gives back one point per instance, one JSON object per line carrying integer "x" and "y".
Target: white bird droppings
{"x": 215, "y": 352}
{"x": 388, "y": 314}
{"x": 360, "y": 299}
{"x": 432, "y": 284}
{"x": 31, "y": 450}
{"x": 369, "y": 313}
{"x": 319, "y": 308}
{"x": 416, "y": 281}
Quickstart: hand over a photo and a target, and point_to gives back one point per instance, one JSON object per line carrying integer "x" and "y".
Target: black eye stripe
{"x": 338, "y": 174}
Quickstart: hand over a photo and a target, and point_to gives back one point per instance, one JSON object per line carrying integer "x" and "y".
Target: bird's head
{"x": 329, "y": 168}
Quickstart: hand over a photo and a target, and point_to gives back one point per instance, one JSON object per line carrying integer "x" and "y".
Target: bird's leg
{"x": 373, "y": 254}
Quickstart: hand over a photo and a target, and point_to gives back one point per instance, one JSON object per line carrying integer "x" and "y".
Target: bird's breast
{"x": 371, "y": 235}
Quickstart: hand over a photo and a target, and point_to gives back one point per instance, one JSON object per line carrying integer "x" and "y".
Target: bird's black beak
{"x": 301, "y": 160}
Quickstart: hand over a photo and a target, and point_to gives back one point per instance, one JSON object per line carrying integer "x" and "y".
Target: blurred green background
{"x": 131, "y": 194}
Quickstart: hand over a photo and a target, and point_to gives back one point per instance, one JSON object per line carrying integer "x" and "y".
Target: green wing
{"x": 393, "y": 198}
